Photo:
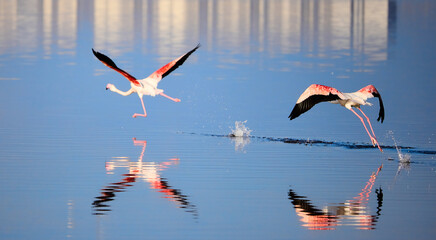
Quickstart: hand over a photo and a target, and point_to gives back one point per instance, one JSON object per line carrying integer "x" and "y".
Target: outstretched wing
{"x": 369, "y": 92}
{"x": 171, "y": 66}
{"x": 108, "y": 62}
{"x": 301, "y": 202}
{"x": 313, "y": 95}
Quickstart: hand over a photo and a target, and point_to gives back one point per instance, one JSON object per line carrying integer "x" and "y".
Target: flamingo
{"x": 146, "y": 86}
{"x": 316, "y": 93}
{"x": 147, "y": 171}
{"x": 351, "y": 212}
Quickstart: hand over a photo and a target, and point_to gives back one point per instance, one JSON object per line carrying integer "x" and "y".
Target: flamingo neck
{"x": 114, "y": 89}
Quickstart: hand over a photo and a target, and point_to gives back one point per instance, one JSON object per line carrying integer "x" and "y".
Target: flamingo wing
{"x": 171, "y": 66}
{"x": 304, "y": 204}
{"x": 109, "y": 63}
{"x": 369, "y": 92}
{"x": 313, "y": 95}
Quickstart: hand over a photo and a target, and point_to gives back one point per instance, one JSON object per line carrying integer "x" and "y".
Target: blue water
{"x": 76, "y": 165}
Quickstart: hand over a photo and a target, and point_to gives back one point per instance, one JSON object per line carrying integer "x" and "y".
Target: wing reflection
{"x": 353, "y": 212}
{"x": 146, "y": 171}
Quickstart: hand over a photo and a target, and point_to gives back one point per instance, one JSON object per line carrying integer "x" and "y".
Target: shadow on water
{"x": 148, "y": 172}
{"x": 315, "y": 142}
{"x": 354, "y": 212}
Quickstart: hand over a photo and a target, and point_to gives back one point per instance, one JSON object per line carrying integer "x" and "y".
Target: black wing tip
{"x": 105, "y": 59}
{"x": 94, "y": 52}
{"x": 295, "y": 112}
{"x": 298, "y": 110}
{"x": 180, "y": 61}
{"x": 380, "y": 118}
{"x": 97, "y": 53}
{"x": 309, "y": 102}
{"x": 293, "y": 116}
{"x": 194, "y": 49}
{"x": 381, "y": 114}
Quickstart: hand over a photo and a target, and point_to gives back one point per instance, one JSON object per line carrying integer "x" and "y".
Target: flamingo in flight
{"x": 316, "y": 93}
{"x": 146, "y": 86}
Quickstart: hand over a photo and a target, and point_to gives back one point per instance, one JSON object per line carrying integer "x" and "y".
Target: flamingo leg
{"x": 369, "y": 122}
{"x": 373, "y": 140}
{"x": 173, "y": 99}
{"x": 143, "y": 107}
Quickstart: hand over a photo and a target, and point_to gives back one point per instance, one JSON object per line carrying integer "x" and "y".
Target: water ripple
{"x": 316, "y": 142}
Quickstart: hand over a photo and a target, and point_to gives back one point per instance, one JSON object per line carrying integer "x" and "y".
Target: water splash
{"x": 240, "y": 135}
{"x": 240, "y": 130}
{"x": 403, "y": 158}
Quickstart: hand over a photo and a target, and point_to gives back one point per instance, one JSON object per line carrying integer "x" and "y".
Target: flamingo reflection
{"x": 353, "y": 212}
{"x": 146, "y": 171}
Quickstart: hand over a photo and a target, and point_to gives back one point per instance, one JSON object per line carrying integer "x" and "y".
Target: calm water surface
{"x": 76, "y": 165}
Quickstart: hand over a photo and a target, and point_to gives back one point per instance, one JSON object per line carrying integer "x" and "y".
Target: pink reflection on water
{"x": 354, "y": 212}
{"x": 149, "y": 172}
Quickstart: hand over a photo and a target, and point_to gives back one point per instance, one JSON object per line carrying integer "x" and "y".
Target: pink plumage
{"x": 317, "y": 89}
{"x": 316, "y": 93}
{"x": 146, "y": 86}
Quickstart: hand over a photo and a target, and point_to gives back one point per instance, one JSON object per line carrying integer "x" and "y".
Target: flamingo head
{"x": 109, "y": 86}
